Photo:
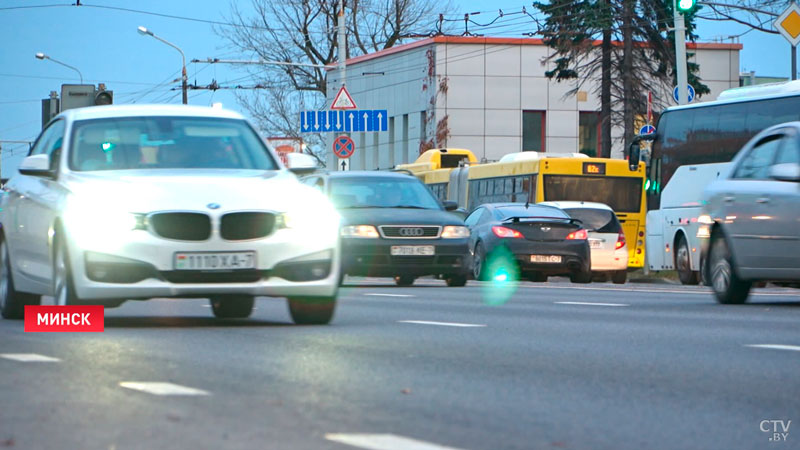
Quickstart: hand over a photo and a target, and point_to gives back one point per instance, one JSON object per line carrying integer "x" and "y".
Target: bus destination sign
{"x": 590, "y": 168}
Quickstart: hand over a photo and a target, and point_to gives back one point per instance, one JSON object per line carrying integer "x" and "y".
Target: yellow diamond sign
{"x": 788, "y": 24}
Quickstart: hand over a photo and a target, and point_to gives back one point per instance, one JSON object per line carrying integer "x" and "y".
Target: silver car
{"x": 142, "y": 201}
{"x": 751, "y": 220}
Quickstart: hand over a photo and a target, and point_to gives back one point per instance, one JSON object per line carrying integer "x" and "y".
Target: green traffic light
{"x": 686, "y": 5}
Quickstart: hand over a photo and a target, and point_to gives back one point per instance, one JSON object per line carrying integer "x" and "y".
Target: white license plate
{"x": 546, "y": 259}
{"x": 595, "y": 243}
{"x": 215, "y": 260}
{"x": 412, "y": 250}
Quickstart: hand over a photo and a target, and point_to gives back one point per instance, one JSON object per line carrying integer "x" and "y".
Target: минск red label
{"x": 88, "y": 318}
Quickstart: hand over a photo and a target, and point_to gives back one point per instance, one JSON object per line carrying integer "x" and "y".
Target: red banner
{"x": 48, "y": 319}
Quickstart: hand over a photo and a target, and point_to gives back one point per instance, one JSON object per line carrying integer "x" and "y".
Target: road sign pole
{"x": 680, "y": 54}
{"x": 794, "y": 62}
{"x": 341, "y": 41}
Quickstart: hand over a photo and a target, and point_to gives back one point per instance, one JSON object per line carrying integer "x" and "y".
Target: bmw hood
{"x": 188, "y": 190}
{"x": 398, "y": 216}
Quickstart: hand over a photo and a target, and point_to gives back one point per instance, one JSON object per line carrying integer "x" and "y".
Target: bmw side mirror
{"x": 300, "y": 163}
{"x": 450, "y": 205}
{"x": 37, "y": 166}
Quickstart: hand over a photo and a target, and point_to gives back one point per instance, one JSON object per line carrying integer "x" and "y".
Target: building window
{"x": 533, "y": 131}
{"x": 588, "y": 130}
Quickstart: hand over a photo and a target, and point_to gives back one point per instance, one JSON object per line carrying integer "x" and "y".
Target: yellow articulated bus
{"x": 537, "y": 177}
{"x": 433, "y": 167}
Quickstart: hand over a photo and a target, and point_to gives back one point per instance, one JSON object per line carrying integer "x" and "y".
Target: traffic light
{"x": 686, "y": 5}
{"x": 103, "y": 96}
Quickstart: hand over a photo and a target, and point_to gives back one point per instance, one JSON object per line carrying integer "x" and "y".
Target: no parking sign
{"x": 343, "y": 147}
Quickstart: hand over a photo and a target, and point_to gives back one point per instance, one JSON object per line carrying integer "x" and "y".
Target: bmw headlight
{"x": 93, "y": 223}
{"x": 455, "y": 232}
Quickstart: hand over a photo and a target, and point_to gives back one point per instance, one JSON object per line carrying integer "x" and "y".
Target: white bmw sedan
{"x": 119, "y": 203}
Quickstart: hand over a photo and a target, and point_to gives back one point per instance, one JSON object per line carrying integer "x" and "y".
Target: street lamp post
{"x": 144, "y": 31}
{"x": 42, "y": 56}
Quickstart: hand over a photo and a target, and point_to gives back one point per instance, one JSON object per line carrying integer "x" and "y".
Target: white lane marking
{"x": 389, "y": 295}
{"x": 591, "y": 304}
{"x": 384, "y": 442}
{"x": 444, "y": 324}
{"x": 795, "y": 348}
{"x": 160, "y": 388}
{"x": 655, "y": 291}
{"x": 28, "y": 357}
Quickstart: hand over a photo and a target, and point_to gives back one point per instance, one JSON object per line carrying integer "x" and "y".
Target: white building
{"x": 489, "y": 95}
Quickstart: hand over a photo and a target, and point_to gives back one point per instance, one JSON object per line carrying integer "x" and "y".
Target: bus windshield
{"x": 622, "y": 194}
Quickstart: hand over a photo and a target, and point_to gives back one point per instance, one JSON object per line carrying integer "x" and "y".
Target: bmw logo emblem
{"x": 213, "y": 205}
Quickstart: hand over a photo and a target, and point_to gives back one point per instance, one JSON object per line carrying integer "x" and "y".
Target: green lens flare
{"x": 107, "y": 146}
{"x": 504, "y": 275}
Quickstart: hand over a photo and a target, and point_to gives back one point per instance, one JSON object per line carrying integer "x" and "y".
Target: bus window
{"x": 622, "y": 194}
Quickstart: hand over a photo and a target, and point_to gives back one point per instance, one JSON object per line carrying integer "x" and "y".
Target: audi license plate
{"x": 215, "y": 260}
{"x": 412, "y": 250}
{"x": 555, "y": 259}
{"x": 595, "y": 243}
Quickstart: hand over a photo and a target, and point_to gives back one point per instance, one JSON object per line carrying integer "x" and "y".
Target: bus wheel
{"x": 683, "y": 263}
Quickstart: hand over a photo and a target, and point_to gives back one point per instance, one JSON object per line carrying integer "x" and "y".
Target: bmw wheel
{"x": 312, "y": 310}
{"x": 12, "y": 302}
{"x": 728, "y": 287}
{"x": 63, "y": 285}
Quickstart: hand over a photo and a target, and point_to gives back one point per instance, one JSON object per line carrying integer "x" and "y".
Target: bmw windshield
{"x": 167, "y": 143}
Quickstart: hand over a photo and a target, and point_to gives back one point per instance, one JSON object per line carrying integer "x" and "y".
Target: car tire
{"x": 404, "y": 280}
{"x": 311, "y": 310}
{"x": 12, "y": 302}
{"x": 456, "y": 280}
{"x": 232, "y": 306}
{"x": 727, "y": 286}
{"x": 581, "y": 277}
{"x": 683, "y": 263}
{"x": 478, "y": 263}
{"x": 63, "y": 284}
{"x": 619, "y": 277}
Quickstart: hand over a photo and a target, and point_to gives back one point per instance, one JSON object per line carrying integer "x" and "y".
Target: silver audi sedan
{"x": 134, "y": 202}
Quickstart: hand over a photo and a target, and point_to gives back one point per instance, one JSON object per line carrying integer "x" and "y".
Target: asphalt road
{"x": 557, "y": 366}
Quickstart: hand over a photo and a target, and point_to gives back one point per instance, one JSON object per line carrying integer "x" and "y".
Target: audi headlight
{"x": 359, "y": 231}
{"x": 455, "y": 232}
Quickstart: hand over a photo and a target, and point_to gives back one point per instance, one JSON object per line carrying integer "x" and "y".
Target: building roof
{"x": 504, "y": 41}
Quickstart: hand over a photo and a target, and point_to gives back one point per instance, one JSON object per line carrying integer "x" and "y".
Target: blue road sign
{"x": 690, "y": 91}
{"x": 647, "y": 129}
{"x": 338, "y": 121}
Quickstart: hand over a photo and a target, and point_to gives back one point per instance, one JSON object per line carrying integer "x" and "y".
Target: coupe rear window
{"x": 167, "y": 143}
{"x": 622, "y": 194}
{"x": 599, "y": 220}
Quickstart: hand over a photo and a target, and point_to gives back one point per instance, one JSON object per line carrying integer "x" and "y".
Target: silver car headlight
{"x": 359, "y": 231}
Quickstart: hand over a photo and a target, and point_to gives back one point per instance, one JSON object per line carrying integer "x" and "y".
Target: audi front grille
{"x": 410, "y": 231}
{"x": 242, "y": 226}
{"x": 181, "y": 226}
